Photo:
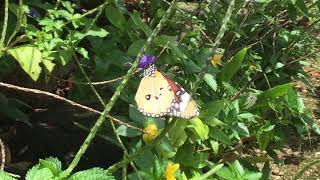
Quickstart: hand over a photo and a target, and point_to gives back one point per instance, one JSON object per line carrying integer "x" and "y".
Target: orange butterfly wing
{"x": 183, "y": 105}
{"x": 154, "y": 96}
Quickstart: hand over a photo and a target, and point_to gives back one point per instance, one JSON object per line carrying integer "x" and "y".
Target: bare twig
{"x": 3, "y": 155}
{"x": 72, "y": 103}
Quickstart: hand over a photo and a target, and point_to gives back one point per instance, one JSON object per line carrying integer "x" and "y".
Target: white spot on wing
{"x": 185, "y": 98}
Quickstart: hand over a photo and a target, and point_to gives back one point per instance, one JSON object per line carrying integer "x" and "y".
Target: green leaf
{"x": 214, "y": 146}
{"x": 53, "y": 164}
{"x": 5, "y": 176}
{"x": 231, "y": 68}
{"x": 140, "y": 24}
{"x": 187, "y": 157}
{"x": 226, "y": 173}
{"x": 29, "y": 58}
{"x": 249, "y": 175}
{"x": 83, "y": 52}
{"x": 126, "y": 131}
{"x": 136, "y": 116}
{"x": 177, "y": 133}
{"x": 65, "y": 56}
{"x": 198, "y": 128}
{"x": 98, "y": 32}
{"x": 116, "y": 17}
{"x": 294, "y": 101}
{"x": 211, "y": 81}
{"x": 48, "y": 64}
{"x": 92, "y": 174}
{"x": 277, "y": 91}
{"x": 301, "y": 6}
{"x": 219, "y": 135}
{"x": 37, "y": 173}
{"x": 237, "y": 166}
{"x": 264, "y": 135}
{"x": 211, "y": 109}
{"x": 135, "y": 47}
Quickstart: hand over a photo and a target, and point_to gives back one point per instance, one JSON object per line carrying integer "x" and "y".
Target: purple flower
{"x": 146, "y": 60}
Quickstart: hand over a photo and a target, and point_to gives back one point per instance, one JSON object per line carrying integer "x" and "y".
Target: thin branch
{"x": 18, "y": 25}
{"x": 216, "y": 44}
{"x": 5, "y": 23}
{"x": 3, "y": 155}
{"x": 72, "y": 103}
{"x": 116, "y": 95}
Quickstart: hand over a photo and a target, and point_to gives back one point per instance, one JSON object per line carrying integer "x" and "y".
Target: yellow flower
{"x": 170, "y": 170}
{"x": 216, "y": 60}
{"x": 150, "y": 133}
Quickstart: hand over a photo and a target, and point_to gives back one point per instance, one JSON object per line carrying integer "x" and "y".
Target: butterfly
{"x": 158, "y": 95}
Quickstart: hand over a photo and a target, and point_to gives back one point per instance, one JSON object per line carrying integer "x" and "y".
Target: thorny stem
{"x": 114, "y": 98}
{"x": 216, "y": 44}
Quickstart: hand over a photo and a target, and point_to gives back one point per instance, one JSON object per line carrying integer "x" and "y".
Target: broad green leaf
{"x": 301, "y": 5}
{"x": 249, "y": 175}
{"x": 5, "y": 176}
{"x": 48, "y": 64}
{"x": 187, "y": 157}
{"x": 135, "y": 47}
{"x": 211, "y": 81}
{"x": 65, "y": 56}
{"x": 219, "y": 135}
{"x": 264, "y": 135}
{"x": 211, "y": 109}
{"x": 277, "y": 91}
{"x": 198, "y": 128}
{"x": 116, "y": 17}
{"x": 177, "y": 133}
{"x": 294, "y": 101}
{"x": 37, "y": 173}
{"x": 232, "y": 67}
{"x": 29, "y": 58}
{"x": 236, "y": 165}
{"x": 165, "y": 149}
{"x": 226, "y": 173}
{"x": 126, "y": 131}
{"x": 94, "y": 174}
{"x": 140, "y": 24}
{"x": 214, "y": 146}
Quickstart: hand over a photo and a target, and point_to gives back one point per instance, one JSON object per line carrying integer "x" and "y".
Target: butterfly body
{"x": 158, "y": 95}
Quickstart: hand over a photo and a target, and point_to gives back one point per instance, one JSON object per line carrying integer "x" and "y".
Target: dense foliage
{"x": 244, "y": 87}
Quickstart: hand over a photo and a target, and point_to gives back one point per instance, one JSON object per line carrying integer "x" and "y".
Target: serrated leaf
{"x": 116, "y": 17}
{"x": 92, "y": 174}
{"x": 140, "y": 24}
{"x": 123, "y": 130}
{"x": 136, "y": 116}
{"x": 29, "y": 58}
{"x": 39, "y": 174}
{"x": 232, "y": 67}
{"x": 52, "y": 163}
{"x": 211, "y": 81}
